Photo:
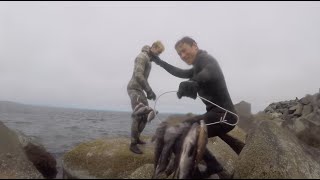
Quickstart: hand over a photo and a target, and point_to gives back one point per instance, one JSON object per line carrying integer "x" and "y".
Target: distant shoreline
{"x": 73, "y": 108}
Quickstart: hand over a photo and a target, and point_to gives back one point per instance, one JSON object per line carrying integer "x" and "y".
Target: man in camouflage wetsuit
{"x": 135, "y": 88}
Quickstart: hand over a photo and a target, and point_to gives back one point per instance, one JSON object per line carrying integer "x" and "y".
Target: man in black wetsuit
{"x": 206, "y": 79}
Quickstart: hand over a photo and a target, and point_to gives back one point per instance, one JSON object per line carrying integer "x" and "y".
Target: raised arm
{"x": 181, "y": 73}
{"x": 139, "y": 70}
{"x": 209, "y": 73}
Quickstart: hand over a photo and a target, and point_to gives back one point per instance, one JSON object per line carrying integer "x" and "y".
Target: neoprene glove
{"x": 188, "y": 88}
{"x": 151, "y": 95}
{"x": 155, "y": 59}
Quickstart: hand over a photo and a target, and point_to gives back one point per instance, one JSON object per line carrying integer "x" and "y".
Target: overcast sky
{"x": 81, "y": 54}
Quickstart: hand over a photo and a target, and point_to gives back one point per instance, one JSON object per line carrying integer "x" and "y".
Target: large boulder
{"x": 14, "y": 163}
{"x": 143, "y": 172}
{"x": 39, "y": 156}
{"x": 105, "y": 158}
{"x": 307, "y": 129}
{"x": 42, "y": 160}
{"x": 272, "y": 152}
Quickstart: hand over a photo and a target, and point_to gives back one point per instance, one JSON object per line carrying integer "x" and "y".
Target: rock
{"x": 275, "y": 115}
{"x": 274, "y": 153}
{"x": 38, "y": 155}
{"x": 278, "y": 121}
{"x": 306, "y": 100}
{"x": 246, "y": 122}
{"x": 14, "y": 164}
{"x": 310, "y": 134}
{"x": 298, "y": 111}
{"x": 285, "y": 113}
{"x": 299, "y": 125}
{"x": 143, "y": 172}
{"x": 306, "y": 128}
{"x": 269, "y": 109}
{"x": 316, "y": 100}
{"x": 307, "y": 109}
{"x": 105, "y": 158}
{"x": 313, "y": 117}
{"x": 42, "y": 160}
{"x": 292, "y": 109}
{"x": 224, "y": 154}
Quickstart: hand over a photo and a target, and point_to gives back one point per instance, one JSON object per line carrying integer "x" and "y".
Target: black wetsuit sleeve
{"x": 181, "y": 73}
{"x": 208, "y": 73}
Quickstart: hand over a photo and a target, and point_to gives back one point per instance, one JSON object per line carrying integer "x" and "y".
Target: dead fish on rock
{"x": 189, "y": 152}
{"x": 179, "y": 149}
{"x": 166, "y": 139}
{"x": 202, "y": 141}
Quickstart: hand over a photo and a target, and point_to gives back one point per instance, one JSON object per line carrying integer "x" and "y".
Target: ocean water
{"x": 61, "y": 129}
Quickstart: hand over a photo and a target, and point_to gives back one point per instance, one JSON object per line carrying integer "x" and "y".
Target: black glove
{"x": 188, "y": 88}
{"x": 151, "y": 95}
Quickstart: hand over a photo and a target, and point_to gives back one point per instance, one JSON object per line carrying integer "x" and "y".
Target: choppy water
{"x": 60, "y": 129}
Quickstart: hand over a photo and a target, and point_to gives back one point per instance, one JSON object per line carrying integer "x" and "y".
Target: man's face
{"x": 156, "y": 51}
{"x": 187, "y": 52}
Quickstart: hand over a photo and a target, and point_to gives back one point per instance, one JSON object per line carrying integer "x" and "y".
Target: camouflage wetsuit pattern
{"x": 135, "y": 88}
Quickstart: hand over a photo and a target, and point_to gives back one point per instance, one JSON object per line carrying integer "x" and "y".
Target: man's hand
{"x": 151, "y": 95}
{"x": 188, "y": 88}
{"x": 155, "y": 59}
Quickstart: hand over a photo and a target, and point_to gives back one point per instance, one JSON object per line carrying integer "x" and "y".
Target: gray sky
{"x": 81, "y": 54}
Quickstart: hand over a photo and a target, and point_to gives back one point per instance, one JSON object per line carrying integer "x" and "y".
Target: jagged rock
{"x": 298, "y": 111}
{"x": 274, "y": 153}
{"x": 310, "y": 134}
{"x": 42, "y": 160}
{"x": 38, "y": 155}
{"x": 285, "y": 112}
{"x": 14, "y": 164}
{"x": 276, "y": 115}
{"x": 316, "y": 101}
{"x": 306, "y": 100}
{"x": 269, "y": 109}
{"x": 314, "y": 118}
{"x": 297, "y": 116}
{"x": 292, "y": 109}
{"x": 307, "y": 109}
